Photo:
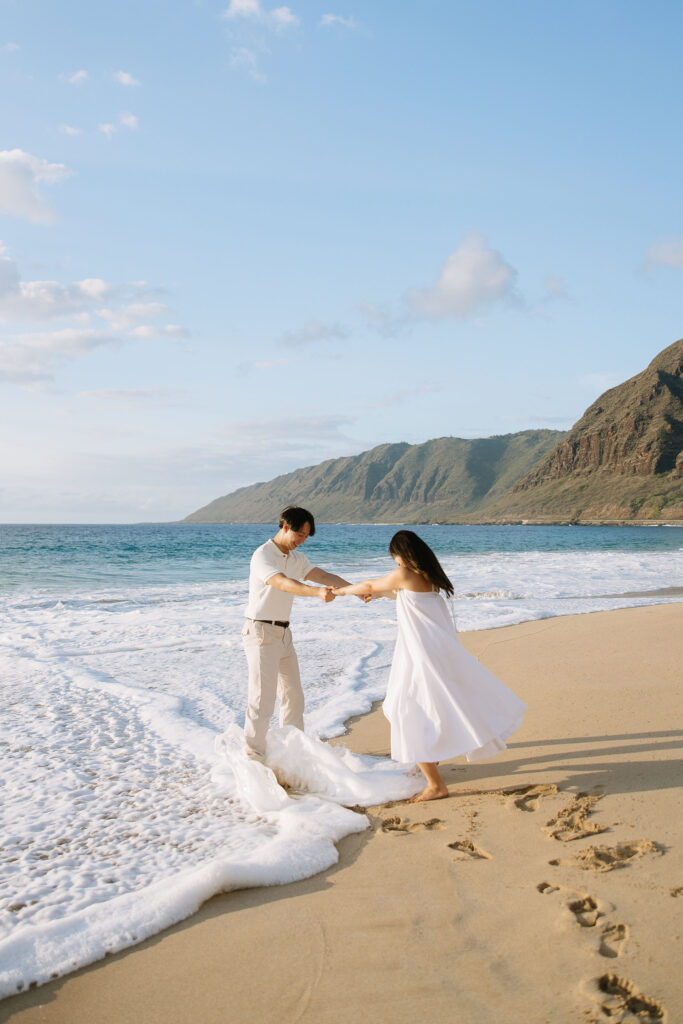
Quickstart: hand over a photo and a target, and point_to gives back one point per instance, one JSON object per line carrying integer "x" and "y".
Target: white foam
{"x": 132, "y": 807}
{"x": 306, "y": 765}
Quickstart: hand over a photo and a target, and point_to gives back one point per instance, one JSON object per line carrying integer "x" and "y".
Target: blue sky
{"x": 239, "y": 238}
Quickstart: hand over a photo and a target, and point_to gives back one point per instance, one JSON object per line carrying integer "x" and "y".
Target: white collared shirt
{"x": 266, "y": 602}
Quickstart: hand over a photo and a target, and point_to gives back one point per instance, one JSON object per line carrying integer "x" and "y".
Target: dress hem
{"x": 490, "y": 748}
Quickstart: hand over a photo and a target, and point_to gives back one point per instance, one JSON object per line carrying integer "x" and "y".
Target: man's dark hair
{"x": 295, "y": 518}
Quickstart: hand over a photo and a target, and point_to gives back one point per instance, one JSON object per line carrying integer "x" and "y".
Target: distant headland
{"x": 622, "y": 462}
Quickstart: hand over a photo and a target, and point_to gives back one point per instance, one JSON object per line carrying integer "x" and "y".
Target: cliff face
{"x": 633, "y": 429}
{"x": 442, "y": 480}
{"x": 622, "y": 460}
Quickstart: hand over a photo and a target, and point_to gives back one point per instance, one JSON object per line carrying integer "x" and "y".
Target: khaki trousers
{"x": 273, "y": 672}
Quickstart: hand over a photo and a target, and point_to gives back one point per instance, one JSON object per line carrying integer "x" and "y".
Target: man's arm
{"x": 282, "y": 582}
{"x": 328, "y": 579}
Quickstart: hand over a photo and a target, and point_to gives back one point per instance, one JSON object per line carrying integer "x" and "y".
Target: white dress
{"x": 441, "y": 701}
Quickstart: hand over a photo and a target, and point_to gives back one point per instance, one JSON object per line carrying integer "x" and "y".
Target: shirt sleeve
{"x": 264, "y": 563}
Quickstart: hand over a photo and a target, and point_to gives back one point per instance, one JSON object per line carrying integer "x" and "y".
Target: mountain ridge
{"x": 396, "y": 482}
{"x": 621, "y": 461}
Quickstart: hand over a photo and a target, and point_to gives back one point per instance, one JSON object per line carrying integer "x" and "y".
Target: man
{"x": 277, "y": 574}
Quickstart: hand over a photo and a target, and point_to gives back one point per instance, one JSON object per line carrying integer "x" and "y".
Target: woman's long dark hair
{"x": 419, "y": 557}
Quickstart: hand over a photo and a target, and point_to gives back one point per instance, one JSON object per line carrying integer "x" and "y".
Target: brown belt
{"x": 272, "y": 622}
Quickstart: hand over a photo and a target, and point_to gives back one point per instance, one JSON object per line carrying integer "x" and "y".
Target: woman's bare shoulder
{"x": 409, "y": 580}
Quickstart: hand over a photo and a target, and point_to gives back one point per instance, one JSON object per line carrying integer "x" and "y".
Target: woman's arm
{"x": 391, "y": 594}
{"x": 384, "y": 586}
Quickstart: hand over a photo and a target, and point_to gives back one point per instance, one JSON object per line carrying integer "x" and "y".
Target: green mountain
{"x": 446, "y": 480}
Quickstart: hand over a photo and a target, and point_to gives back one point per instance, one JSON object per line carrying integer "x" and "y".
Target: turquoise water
{"x": 65, "y": 558}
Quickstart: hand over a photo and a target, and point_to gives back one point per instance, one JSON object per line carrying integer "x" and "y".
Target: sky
{"x": 238, "y": 238}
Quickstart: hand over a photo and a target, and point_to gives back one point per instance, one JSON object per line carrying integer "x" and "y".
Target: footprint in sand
{"x": 586, "y": 909}
{"x": 570, "y": 823}
{"x": 472, "y": 852}
{"x": 678, "y": 891}
{"x": 473, "y": 824}
{"x": 397, "y": 824}
{"x": 614, "y": 939}
{"x": 618, "y": 997}
{"x": 607, "y": 858}
{"x": 527, "y": 797}
{"x": 546, "y": 888}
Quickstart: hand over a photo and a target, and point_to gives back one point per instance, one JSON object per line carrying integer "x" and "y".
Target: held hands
{"x": 343, "y": 592}
{"x": 327, "y": 594}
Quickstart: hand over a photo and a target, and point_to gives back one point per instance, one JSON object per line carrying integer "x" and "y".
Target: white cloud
{"x": 243, "y": 9}
{"x": 314, "y": 331}
{"x": 9, "y": 275}
{"x": 94, "y": 288}
{"x": 44, "y": 300}
{"x": 34, "y": 357}
{"x": 130, "y": 316}
{"x": 668, "y": 253}
{"x": 251, "y": 10}
{"x": 473, "y": 277}
{"x": 77, "y": 78}
{"x": 283, "y": 17}
{"x": 39, "y": 300}
{"x": 125, "y": 120}
{"x": 20, "y": 174}
{"x": 555, "y": 289}
{"x": 11, "y": 47}
{"x": 382, "y": 320}
{"x": 338, "y": 19}
{"x": 128, "y": 120}
{"x": 31, "y": 358}
{"x": 242, "y": 57}
{"x": 250, "y": 26}
{"x": 165, "y": 331}
{"x": 124, "y": 78}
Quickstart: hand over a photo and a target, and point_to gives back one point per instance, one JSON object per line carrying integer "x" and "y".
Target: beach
{"x": 548, "y": 887}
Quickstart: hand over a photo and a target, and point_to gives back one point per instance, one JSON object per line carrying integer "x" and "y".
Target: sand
{"x": 547, "y": 888}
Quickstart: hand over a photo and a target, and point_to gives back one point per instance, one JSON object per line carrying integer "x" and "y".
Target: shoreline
{"x": 558, "y": 521}
{"x": 468, "y": 933}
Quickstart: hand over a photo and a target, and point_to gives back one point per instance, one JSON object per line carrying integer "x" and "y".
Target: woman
{"x": 440, "y": 702}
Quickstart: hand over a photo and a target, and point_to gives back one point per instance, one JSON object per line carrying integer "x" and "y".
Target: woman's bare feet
{"x": 436, "y": 787}
{"x": 431, "y": 793}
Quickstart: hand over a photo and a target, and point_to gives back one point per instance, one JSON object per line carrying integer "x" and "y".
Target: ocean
{"x": 122, "y": 666}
